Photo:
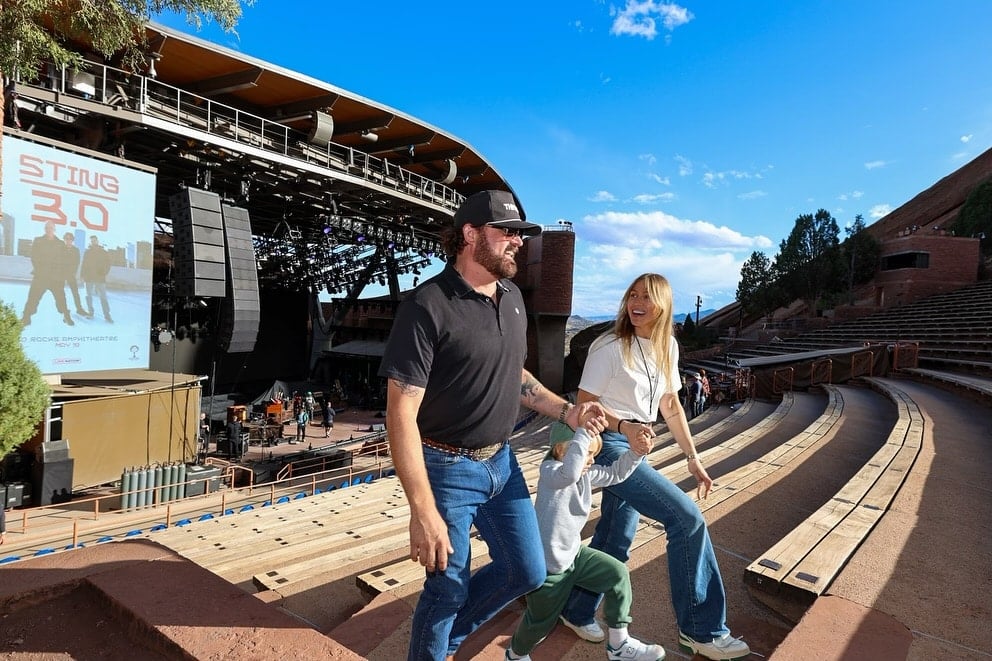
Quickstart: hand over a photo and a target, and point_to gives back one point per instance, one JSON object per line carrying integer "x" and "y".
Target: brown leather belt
{"x": 475, "y": 454}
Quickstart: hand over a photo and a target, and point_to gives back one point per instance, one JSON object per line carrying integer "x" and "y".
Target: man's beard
{"x": 500, "y": 265}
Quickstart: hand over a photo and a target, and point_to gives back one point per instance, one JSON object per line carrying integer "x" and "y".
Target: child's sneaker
{"x": 591, "y": 632}
{"x": 635, "y": 650}
{"x": 724, "y": 648}
{"x": 509, "y": 657}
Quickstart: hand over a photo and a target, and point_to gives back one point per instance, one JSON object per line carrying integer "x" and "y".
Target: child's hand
{"x": 593, "y": 420}
{"x": 642, "y": 442}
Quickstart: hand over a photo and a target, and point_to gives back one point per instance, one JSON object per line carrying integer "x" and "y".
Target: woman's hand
{"x": 703, "y": 481}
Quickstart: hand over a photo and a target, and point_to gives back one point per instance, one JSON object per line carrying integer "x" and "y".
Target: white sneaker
{"x": 635, "y": 650}
{"x": 507, "y": 657}
{"x": 724, "y": 648}
{"x": 591, "y": 632}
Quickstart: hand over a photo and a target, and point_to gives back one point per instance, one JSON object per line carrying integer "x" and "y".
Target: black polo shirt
{"x": 467, "y": 353}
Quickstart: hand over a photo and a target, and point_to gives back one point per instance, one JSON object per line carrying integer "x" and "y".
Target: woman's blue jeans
{"x": 492, "y": 495}
{"x": 697, "y": 588}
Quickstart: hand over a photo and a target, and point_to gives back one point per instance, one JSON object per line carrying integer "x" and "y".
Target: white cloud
{"x": 603, "y": 196}
{"x": 753, "y": 195}
{"x": 647, "y": 158}
{"x": 604, "y": 79}
{"x": 961, "y": 155}
{"x": 854, "y": 195}
{"x": 966, "y": 138}
{"x": 685, "y": 165}
{"x": 879, "y": 210}
{"x": 639, "y": 18}
{"x": 713, "y": 179}
{"x": 615, "y": 228}
{"x": 872, "y": 165}
{"x": 645, "y": 198}
{"x": 657, "y": 178}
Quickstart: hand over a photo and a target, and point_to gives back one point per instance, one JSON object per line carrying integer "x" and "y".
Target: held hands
{"x": 639, "y": 436}
{"x": 590, "y": 415}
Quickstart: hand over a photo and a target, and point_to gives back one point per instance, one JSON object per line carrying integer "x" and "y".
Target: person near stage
{"x": 327, "y": 415}
{"x": 632, "y": 371}
{"x": 48, "y": 257}
{"x": 302, "y": 418}
{"x": 3, "y": 521}
{"x": 454, "y": 364}
{"x": 96, "y": 266}
{"x": 564, "y": 499}
{"x": 72, "y": 259}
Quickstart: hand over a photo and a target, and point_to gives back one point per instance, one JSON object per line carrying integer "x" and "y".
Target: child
{"x": 564, "y": 498}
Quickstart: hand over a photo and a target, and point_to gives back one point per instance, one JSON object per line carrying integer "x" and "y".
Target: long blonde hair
{"x": 660, "y": 293}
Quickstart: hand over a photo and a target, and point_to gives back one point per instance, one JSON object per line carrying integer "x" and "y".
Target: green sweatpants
{"x": 593, "y": 570}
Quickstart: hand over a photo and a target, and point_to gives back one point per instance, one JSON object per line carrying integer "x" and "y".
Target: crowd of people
{"x": 454, "y": 365}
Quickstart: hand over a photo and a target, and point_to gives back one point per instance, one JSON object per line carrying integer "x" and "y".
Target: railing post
{"x": 75, "y": 532}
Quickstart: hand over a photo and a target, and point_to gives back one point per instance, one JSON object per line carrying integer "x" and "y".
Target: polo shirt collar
{"x": 460, "y": 286}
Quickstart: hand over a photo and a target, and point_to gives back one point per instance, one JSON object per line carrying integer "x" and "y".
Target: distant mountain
{"x": 577, "y": 322}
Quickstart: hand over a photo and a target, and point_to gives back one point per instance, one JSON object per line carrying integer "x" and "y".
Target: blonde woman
{"x": 633, "y": 372}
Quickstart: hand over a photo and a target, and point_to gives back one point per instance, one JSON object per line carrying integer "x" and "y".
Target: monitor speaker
{"x": 52, "y": 481}
{"x": 241, "y": 310}
{"x": 198, "y": 243}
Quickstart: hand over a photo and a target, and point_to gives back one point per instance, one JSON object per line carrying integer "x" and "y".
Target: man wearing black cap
{"x": 456, "y": 381}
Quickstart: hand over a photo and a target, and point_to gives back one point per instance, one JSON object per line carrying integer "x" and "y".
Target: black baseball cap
{"x": 497, "y": 208}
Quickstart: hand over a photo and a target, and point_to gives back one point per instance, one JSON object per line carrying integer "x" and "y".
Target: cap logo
{"x": 510, "y": 207}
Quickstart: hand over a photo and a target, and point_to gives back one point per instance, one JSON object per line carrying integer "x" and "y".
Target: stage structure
{"x": 317, "y": 191}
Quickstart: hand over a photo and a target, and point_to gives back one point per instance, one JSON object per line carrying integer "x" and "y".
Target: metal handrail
{"x": 147, "y": 96}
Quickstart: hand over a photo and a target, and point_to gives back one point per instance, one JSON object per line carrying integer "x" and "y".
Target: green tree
{"x": 35, "y": 31}
{"x": 24, "y": 395}
{"x": 756, "y": 291}
{"x": 859, "y": 252}
{"x": 975, "y": 216}
{"x": 809, "y": 261}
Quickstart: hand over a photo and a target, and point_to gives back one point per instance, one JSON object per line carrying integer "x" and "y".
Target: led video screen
{"x": 76, "y": 241}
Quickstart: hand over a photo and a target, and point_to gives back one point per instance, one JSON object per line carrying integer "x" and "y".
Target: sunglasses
{"x": 507, "y": 232}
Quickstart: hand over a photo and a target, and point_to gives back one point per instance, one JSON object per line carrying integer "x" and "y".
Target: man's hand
{"x": 586, "y": 413}
{"x": 429, "y": 543}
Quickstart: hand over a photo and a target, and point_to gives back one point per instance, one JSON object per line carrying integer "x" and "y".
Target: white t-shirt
{"x": 629, "y": 392}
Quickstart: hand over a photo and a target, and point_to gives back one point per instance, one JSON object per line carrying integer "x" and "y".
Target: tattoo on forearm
{"x": 530, "y": 389}
{"x": 407, "y": 389}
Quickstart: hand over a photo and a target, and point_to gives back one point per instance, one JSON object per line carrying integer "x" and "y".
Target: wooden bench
{"x": 801, "y": 566}
{"x": 977, "y": 384}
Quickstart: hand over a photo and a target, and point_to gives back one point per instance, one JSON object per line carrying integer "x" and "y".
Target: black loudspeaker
{"x": 49, "y": 451}
{"x": 241, "y": 310}
{"x": 198, "y": 244}
{"x": 52, "y": 481}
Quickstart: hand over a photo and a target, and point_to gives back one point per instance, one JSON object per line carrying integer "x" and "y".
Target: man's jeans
{"x": 491, "y": 494}
{"x": 697, "y": 588}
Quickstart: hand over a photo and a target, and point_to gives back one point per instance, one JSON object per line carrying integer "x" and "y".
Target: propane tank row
{"x": 152, "y": 485}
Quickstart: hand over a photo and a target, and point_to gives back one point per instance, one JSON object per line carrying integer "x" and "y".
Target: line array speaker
{"x": 241, "y": 310}
{"x": 198, "y": 243}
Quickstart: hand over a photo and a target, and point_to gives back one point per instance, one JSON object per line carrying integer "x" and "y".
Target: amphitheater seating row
{"x": 802, "y": 565}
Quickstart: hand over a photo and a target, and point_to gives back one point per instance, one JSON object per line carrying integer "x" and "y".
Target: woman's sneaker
{"x": 724, "y": 648}
{"x": 634, "y": 650}
{"x": 591, "y": 632}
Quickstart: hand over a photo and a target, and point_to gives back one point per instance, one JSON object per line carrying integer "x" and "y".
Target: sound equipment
{"x": 198, "y": 244}
{"x": 52, "y": 481}
{"x": 241, "y": 310}
{"x": 50, "y": 451}
{"x": 202, "y": 479}
{"x": 15, "y": 494}
{"x": 323, "y": 129}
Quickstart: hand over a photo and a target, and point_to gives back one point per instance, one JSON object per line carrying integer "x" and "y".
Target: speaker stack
{"x": 241, "y": 311}
{"x": 198, "y": 244}
{"x": 52, "y": 473}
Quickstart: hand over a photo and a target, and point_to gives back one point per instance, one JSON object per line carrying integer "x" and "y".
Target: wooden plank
{"x": 299, "y": 571}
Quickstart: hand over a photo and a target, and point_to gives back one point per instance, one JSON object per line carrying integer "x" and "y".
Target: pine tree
{"x": 24, "y": 395}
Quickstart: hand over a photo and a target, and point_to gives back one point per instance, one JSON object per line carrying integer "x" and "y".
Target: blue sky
{"x": 677, "y": 138}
